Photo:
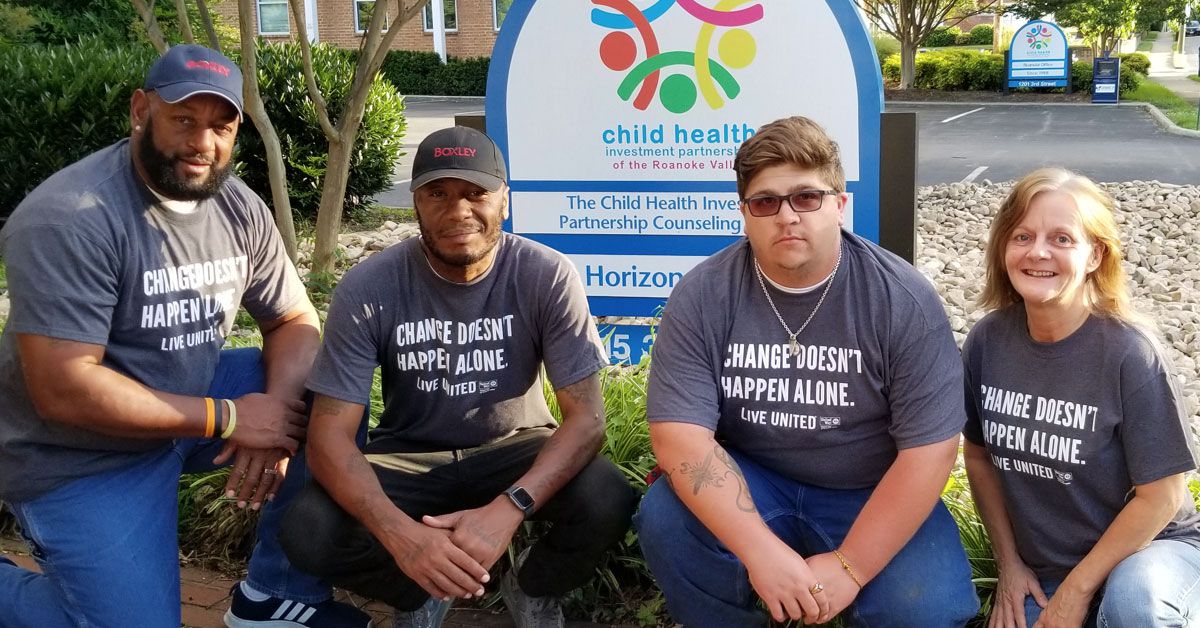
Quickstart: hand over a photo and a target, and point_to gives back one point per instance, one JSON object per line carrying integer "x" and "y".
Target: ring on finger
{"x": 270, "y": 471}
{"x": 816, "y": 588}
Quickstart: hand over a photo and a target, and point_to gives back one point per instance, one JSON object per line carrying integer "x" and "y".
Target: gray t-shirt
{"x": 460, "y": 362}
{"x": 877, "y": 371}
{"x": 1071, "y": 427}
{"x": 93, "y": 257}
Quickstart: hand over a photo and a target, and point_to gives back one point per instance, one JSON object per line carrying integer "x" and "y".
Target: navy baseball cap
{"x": 459, "y": 152}
{"x": 187, "y": 70}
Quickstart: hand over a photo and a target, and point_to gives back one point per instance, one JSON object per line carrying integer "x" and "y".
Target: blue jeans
{"x": 1158, "y": 586}
{"x": 927, "y": 584}
{"x": 108, "y": 543}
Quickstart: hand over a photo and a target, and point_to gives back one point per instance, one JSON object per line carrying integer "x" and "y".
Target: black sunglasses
{"x": 800, "y": 202}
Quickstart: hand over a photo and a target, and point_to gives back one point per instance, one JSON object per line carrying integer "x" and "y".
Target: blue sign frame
{"x": 1047, "y": 71}
{"x": 866, "y": 221}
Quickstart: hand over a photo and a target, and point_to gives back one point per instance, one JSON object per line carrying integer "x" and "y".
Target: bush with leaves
{"x": 305, "y": 147}
{"x": 423, "y": 73}
{"x": 981, "y": 35}
{"x": 941, "y": 36}
{"x": 1136, "y": 62}
{"x": 60, "y": 103}
{"x": 951, "y": 70}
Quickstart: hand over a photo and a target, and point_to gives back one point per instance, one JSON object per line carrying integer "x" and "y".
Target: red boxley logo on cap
{"x": 452, "y": 151}
{"x": 208, "y": 65}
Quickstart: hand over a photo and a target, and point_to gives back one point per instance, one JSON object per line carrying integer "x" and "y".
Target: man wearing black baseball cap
{"x": 462, "y": 320}
{"x": 125, "y": 272}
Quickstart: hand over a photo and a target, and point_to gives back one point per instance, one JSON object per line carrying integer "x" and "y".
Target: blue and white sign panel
{"x": 1038, "y": 56}
{"x": 620, "y": 120}
{"x": 627, "y": 344}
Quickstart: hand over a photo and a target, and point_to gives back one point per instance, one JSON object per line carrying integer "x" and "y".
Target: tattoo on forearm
{"x": 328, "y": 406}
{"x": 716, "y": 467}
{"x": 743, "y": 501}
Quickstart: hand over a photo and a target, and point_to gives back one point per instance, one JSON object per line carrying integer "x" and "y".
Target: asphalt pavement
{"x": 968, "y": 142}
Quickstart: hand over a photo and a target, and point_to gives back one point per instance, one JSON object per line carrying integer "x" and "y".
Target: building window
{"x": 499, "y": 10}
{"x": 451, "y": 13}
{"x": 273, "y": 17}
{"x": 362, "y": 16}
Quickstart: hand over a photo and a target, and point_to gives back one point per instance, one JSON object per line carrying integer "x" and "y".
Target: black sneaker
{"x": 278, "y": 613}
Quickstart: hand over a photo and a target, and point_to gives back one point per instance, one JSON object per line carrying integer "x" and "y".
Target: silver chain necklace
{"x": 792, "y": 334}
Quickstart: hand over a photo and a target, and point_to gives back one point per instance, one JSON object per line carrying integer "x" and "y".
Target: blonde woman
{"x": 1076, "y": 438}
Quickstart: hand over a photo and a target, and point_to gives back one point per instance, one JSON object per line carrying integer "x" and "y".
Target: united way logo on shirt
{"x": 830, "y": 422}
{"x": 1064, "y": 477}
{"x": 712, "y": 78}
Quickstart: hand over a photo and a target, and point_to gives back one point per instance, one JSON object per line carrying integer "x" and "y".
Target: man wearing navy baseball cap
{"x": 462, "y": 321}
{"x": 126, "y": 271}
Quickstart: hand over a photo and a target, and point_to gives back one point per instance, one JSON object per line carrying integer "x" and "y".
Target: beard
{"x": 491, "y": 235}
{"x": 165, "y": 178}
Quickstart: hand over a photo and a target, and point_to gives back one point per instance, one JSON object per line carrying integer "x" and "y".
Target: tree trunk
{"x": 276, "y": 172}
{"x": 152, "y": 30}
{"x": 908, "y": 63}
{"x": 206, "y": 20}
{"x": 997, "y": 43}
{"x": 185, "y": 23}
{"x": 333, "y": 193}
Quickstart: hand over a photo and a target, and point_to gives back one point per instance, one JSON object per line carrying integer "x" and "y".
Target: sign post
{"x": 1106, "y": 79}
{"x": 1038, "y": 56}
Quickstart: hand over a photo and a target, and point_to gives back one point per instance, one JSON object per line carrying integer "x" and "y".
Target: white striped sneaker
{"x": 431, "y": 615}
{"x": 278, "y": 613}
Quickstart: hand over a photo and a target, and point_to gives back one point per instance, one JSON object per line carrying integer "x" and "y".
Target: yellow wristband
{"x": 232, "y": 419}
{"x": 209, "y": 417}
{"x": 848, "y": 568}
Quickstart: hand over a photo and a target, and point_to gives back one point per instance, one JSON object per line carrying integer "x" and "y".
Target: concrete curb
{"x": 421, "y": 99}
{"x": 1160, "y": 118}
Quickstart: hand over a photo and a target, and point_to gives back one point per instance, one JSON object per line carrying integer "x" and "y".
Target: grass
{"x": 1178, "y": 110}
{"x": 1193, "y": 77}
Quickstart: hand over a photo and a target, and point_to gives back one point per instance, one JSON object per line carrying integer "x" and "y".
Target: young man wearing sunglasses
{"x": 805, "y": 401}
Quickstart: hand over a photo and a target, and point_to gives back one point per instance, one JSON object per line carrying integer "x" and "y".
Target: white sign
{"x": 620, "y": 120}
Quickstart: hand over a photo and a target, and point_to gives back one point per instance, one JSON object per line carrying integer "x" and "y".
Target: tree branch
{"x": 209, "y": 30}
{"x": 185, "y": 23}
{"x": 310, "y": 79}
{"x": 152, "y": 30}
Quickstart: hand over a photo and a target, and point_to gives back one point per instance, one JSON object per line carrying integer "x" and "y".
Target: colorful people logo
{"x": 1038, "y": 37}
{"x": 619, "y": 51}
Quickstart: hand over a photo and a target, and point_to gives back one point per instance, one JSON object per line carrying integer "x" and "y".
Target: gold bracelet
{"x": 848, "y": 568}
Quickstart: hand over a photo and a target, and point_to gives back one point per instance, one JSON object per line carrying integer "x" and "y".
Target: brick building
{"x": 471, "y": 25}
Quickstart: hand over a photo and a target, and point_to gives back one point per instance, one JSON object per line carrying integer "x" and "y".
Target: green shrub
{"x": 885, "y": 46}
{"x": 423, "y": 73}
{"x": 963, "y": 39}
{"x": 60, "y": 103}
{"x": 1135, "y": 61}
{"x": 941, "y": 36}
{"x": 305, "y": 148}
{"x": 891, "y": 68}
{"x": 951, "y": 70}
{"x": 412, "y": 72}
{"x": 982, "y": 35}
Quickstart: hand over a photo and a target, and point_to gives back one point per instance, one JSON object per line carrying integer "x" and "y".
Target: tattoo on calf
{"x": 716, "y": 467}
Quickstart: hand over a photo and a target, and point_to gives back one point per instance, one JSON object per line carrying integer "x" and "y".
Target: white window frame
{"x": 426, "y": 16}
{"x": 286, "y": 12}
{"x": 496, "y": 14}
{"x": 361, "y": 28}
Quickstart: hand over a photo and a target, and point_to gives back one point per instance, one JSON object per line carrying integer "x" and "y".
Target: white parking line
{"x": 974, "y": 173}
{"x": 952, "y": 118}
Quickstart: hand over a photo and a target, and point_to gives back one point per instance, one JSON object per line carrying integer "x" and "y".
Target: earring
{"x": 137, "y": 127}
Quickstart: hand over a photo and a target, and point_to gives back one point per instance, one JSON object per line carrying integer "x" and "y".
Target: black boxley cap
{"x": 459, "y": 152}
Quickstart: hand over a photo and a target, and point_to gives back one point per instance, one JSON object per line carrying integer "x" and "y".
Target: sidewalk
{"x": 205, "y": 597}
{"x": 1164, "y": 72}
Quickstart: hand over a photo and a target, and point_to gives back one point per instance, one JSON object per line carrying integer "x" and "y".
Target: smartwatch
{"x": 522, "y": 499}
